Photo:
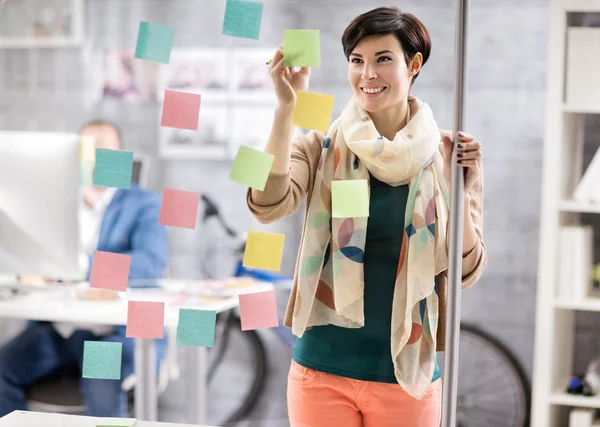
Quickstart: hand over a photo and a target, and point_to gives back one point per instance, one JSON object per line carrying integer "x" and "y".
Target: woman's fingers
{"x": 277, "y": 67}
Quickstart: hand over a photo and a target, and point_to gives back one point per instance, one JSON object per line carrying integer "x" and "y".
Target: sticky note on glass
{"x": 264, "y": 250}
{"x": 251, "y": 167}
{"x": 313, "y": 110}
{"x": 102, "y": 360}
{"x": 86, "y": 172}
{"x": 243, "y": 19}
{"x": 179, "y": 208}
{"x": 301, "y": 48}
{"x": 87, "y": 149}
{"x": 116, "y": 422}
{"x": 145, "y": 319}
{"x": 350, "y": 199}
{"x": 113, "y": 168}
{"x": 196, "y": 327}
{"x": 110, "y": 271}
{"x": 258, "y": 310}
{"x": 154, "y": 42}
{"x": 181, "y": 110}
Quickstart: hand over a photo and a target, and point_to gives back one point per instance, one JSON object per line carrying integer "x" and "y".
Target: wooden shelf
{"x": 566, "y": 399}
{"x": 588, "y": 304}
{"x": 582, "y": 207}
{"x": 580, "y": 109}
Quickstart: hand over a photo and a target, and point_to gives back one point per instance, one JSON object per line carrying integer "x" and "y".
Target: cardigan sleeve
{"x": 283, "y": 194}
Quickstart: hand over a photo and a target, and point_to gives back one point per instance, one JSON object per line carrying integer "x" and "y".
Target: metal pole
{"x": 450, "y": 380}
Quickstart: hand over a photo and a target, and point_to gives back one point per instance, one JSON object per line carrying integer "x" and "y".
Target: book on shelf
{"x": 576, "y": 247}
{"x": 588, "y": 190}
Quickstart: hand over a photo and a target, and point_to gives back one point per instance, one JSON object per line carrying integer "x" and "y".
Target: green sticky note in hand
{"x": 350, "y": 199}
{"x": 301, "y": 48}
{"x": 116, "y": 422}
{"x": 102, "y": 360}
{"x": 113, "y": 168}
{"x": 251, "y": 168}
{"x": 154, "y": 42}
{"x": 243, "y": 19}
{"x": 196, "y": 327}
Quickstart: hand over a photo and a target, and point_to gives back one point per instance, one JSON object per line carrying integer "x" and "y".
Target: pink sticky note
{"x": 180, "y": 110}
{"x": 258, "y": 310}
{"x": 179, "y": 208}
{"x": 145, "y": 319}
{"x": 110, "y": 271}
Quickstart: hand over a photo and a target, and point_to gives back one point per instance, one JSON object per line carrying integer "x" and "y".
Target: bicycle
{"x": 493, "y": 389}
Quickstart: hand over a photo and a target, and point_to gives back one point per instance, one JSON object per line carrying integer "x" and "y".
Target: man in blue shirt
{"x": 112, "y": 220}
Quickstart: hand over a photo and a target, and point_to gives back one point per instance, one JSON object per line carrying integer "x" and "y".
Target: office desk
{"x": 60, "y": 304}
{"x": 38, "y": 419}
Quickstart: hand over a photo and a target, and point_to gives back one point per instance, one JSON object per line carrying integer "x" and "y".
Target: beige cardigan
{"x": 283, "y": 195}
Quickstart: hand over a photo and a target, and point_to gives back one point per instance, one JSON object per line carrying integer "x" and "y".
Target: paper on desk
{"x": 154, "y": 42}
{"x": 196, "y": 327}
{"x": 264, "y": 250}
{"x": 313, "y": 110}
{"x": 258, "y": 310}
{"x": 301, "y": 48}
{"x": 251, "y": 167}
{"x": 145, "y": 319}
{"x": 116, "y": 422}
{"x": 181, "y": 110}
{"x": 179, "y": 208}
{"x": 110, "y": 271}
{"x": 113, "y": 168}
{"x": 243, "y": 19}
{"x": 350, "y": 199}
{"x": 102, "y": 360}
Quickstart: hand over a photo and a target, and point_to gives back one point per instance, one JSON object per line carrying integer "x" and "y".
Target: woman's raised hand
{"x": 287, "y": 81}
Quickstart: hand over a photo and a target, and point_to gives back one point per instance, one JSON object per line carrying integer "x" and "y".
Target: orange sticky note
{"x": 179, "y": 208}
{"x": 258, "y": 310}
{"x": 145, "y": 319}
{"x": 264, "y": 250}
{"x": 110, "y": 271}
{"x": 181, "y": 110}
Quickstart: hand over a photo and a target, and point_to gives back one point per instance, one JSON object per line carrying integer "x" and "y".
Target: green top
{"x": 365, "y": 353}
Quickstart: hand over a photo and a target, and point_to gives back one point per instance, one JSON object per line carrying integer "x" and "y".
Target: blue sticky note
{"x": 243, "y": 19}
{"x": 154, "y": 42}
{"x": 113, "y": 168}
{"x": 102, "y": 360}
{"x": 196, "y": 327}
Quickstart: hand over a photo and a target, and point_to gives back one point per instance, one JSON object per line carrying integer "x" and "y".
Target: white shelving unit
{"x": 554, "y": 335}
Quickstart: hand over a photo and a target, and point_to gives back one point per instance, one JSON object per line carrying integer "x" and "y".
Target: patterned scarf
{"x": 331, "y": 276}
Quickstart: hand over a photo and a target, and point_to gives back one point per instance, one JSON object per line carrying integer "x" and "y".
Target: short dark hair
{"x": 104, "y": 122}
{"x": 408, "y": 29}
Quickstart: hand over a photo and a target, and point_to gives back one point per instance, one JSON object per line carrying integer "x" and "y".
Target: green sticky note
{"x": 301, "y": 48}
{"x": 86, "y": 169}
{"x": 116, "y": 422}
{"x": 350, "y": 199}
{"x": 196, "y": 327}
{"x": 243, "y": 19}
{"x": 154, "y": 42}
{"x": 251, "y": 168}
{"x": 113, "y": 168}
{"x": 102, "y": 360}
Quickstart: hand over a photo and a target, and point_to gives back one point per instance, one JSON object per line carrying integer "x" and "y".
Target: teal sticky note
{"x": 116, "y": 422}
{"x": 243, "y": 19}
{"x": 113, "y": 168}
{"x": 196, "y": 327}
{"x": 251, "y": 168}
{"x": 301, "y": 48}
{"x": 102, "y": 360}
{"x": 154, "y": 42}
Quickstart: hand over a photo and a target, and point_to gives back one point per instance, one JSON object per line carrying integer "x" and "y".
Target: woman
{"x": 368, "y": 302}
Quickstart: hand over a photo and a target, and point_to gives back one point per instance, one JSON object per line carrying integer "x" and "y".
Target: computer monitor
{"x": 39, "y": 202}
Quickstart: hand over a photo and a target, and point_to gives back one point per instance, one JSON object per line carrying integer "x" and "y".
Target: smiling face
{"x": 378, "y": 73}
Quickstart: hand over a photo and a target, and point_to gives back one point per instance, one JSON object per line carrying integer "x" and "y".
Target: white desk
{"x": 38, "y": 419}
{"x": 59, "y": 304}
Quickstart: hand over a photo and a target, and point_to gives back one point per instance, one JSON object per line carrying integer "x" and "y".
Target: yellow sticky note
{"x": 264, "y": 250}
{"x": 313, "y": 110}
{"x": 87, "y": 149}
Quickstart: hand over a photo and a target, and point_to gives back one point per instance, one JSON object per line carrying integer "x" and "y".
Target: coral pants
{"x": 318, "y": 399}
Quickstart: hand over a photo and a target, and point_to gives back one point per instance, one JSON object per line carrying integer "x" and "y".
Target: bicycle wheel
{"x": 493, "y": 390}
